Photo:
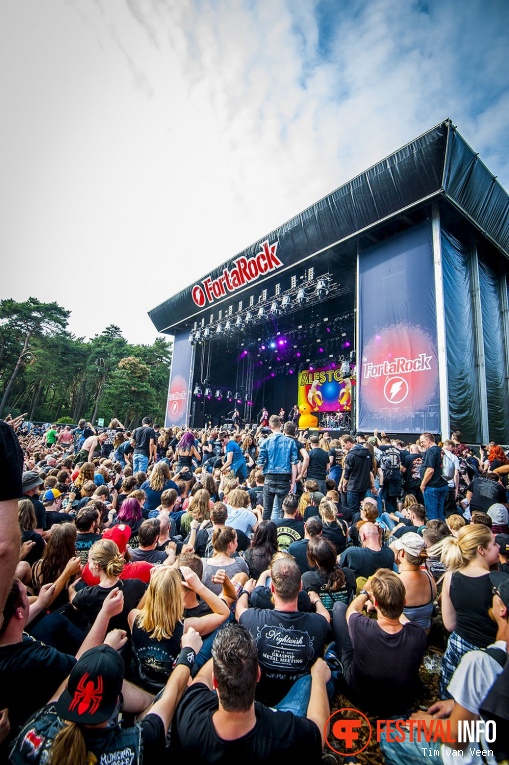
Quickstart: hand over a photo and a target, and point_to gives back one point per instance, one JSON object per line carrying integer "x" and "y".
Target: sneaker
{"x": 332, "y": 659}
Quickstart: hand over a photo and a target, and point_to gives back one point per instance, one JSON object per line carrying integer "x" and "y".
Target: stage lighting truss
{"x": 308, "y": 290}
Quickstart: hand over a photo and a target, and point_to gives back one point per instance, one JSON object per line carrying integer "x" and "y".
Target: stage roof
{"x": 437, "y": 165}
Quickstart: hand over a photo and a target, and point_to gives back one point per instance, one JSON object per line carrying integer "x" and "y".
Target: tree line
{"x": 53, "y": 375}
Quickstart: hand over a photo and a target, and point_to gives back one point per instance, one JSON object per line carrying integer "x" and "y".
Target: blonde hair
{"x": 69, "y": 746}
{"x": 159, "y": 475}
{"x": 26, "y": 515}
{"x": 458, "y": 552}
{"x": 106, "y": 555}
{"x": 305, "y": 501}
{"x": 327, "y": 510}
{"x": 456, "y": 522}
{"x": 389, "y": 592}
{"x": 238, "y": 498}
{"x": 87, "y": 471}
{"x": 199, "y": 506}
{"x": 229, "y": 485}
{"x": 164, "y": 606}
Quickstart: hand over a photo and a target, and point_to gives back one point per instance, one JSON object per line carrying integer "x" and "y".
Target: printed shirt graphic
{"x": 288, "y": 645}
{"x": 289, "y": 530}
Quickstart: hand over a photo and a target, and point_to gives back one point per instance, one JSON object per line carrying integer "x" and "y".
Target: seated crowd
{"x": 210, "y": 593}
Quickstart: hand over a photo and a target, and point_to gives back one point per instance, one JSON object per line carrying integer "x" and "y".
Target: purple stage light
{"x": 346, "y": 345}
{"x": 320, "y": 350}
{"x": 281, "y": 341}
{"x": 333, "y": 365}
{"x": 327, "y": 329}
{"x": 290, "y": 371}
{"x": 311, "y": 369}
{"x": 297, "y": 355}
{"x": 272, "y": 374}
{"x": 262, "y": 348}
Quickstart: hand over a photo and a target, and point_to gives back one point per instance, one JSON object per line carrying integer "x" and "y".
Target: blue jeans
{"x": 385, "y": 517}
{"x": 275, "y": 486}
{"x": 434, "y": 501}
{"x": 297, "y": 698}
{"x": 354, "y": 499}
{"x": 140, "y": 463}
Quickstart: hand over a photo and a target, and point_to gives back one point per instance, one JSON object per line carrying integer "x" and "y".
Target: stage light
{"x": 246, "y": 398}
{"x": 229, "y": 395}
{"x": 346, "y": 345}
{"x": 352, "y": 356}
{"x": 198, "y": 391}
{"x": 272, "y": 344}
{"x": 261, "y": 312}
{"x": 238, "y": 323}
{"x": 321, "y": 289}
{"x": 301, "y": 296}
{"x": 248, "y": 317}
{"x": 219, "y": 394}
{"x": 274, "y": 308}
{"x": 285, "y": 303}
{"x": 206, "y": 333}
{"x": 219, "y": 329}
{"x": 281, "y": 341}
{"x": 311, "y": 368}
{"x": 262, "y": 347}
{"x": 191, "y": 338}
{"x": 228, "y": 326}
{"x": 320, "y": 350}
{"x": 208, "y": 392}
{"x": 297, "y": 355}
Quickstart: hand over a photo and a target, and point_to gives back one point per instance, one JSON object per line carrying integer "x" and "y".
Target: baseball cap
{"x": 360, "y": 434}
{"x": 500, "y": 582}
{"x": 316, "y": 497}
{"x": 410, "y": 542}
{"x": 502, "y": 541}
{"x": 50, "y": 495}
{"x": 119, "y": 534}
{"x": 93, "y": 688}
{"x": 498, "y": 514}
{"x": 30, "y": 480}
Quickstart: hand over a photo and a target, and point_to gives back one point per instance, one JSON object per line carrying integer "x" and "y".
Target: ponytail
{"x": 69, "y": 746}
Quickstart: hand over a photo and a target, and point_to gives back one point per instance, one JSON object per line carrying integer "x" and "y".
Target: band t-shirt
{"x": 485, "y": 493}
{"x": 288, "y": 530}
{"x": 433, "y": 459}
{"x": 276, "y": 737}
{"x": 142, "y": 438}
{"x": 289, "y": 642}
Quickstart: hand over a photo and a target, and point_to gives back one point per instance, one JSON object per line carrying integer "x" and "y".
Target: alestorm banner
{"x": 397, "y": 366}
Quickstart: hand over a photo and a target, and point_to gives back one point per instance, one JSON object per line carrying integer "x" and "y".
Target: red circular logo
{"x": 399, "y": 369}
{"x": 345, "y": 730}
{"x": 198, "y": 295}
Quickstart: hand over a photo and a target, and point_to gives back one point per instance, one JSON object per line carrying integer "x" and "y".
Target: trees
{"x": 50, "y": 374}
{"x": 24, "y": 322}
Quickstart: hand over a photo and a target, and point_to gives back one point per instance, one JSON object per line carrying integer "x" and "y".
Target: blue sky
{"x": 146, "y": 141}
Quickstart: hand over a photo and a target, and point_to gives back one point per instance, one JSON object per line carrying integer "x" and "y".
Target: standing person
{"x": 279, "y": 461}
{"x": 357, "y": 478}
{"x": 335, "y": 461}
{"x": 186, "y": 451}
{"x": 65, "y": 436}
{"x": 411, "y": 469}
{"x": 235, "y": 461}
{"x": 236, "y": 418}
{"x": 294, "y": 415}
{"x": 218, "y": 719}
{"x": 451, "y": 473}
{"x": 11, "y": 471}
{"x": 144, "y": 443}
{"x": 281, "y": 414}
{"x": 264, "y": 418}
{"x": 433, "y": 486}
{"x": 318, "y": 464}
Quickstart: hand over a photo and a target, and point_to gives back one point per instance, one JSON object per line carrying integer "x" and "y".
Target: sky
{"x": 145, "y": 142}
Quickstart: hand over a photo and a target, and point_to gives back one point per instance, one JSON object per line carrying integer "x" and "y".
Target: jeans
{"x": 274, "y": 486}
{"x": 297, "y": 698}
{"x": 388, "y": 520}
{"x": 57, "y": 631}
{"x": 140, "y": 463}
{"x": 434, "y": 500}
{"x": 344, "y": 647}
{"x": 335, "y": 473}
{"x": 354, "y": 499}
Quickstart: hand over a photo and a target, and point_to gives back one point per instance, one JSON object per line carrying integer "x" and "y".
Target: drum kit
{"x": 336, "y": 420}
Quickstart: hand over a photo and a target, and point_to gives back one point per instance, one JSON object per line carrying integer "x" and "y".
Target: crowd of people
{"x": 208, "y": 593}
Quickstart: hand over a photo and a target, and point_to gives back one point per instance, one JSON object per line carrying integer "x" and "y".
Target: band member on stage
{"x": 264, "y": 418}
{"x": 295, "y": 414}
{"x": 236, "y": 418}
{"x": 281, "y": 414}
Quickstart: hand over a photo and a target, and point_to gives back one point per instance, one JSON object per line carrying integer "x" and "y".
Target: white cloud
{"x": 149, "y": 140}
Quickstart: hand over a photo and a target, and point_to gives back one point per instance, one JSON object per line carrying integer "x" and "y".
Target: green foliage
{"x": 65, "y": 421}
{"x": 52, "y": 375}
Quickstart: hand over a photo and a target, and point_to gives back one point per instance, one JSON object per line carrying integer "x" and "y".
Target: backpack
{"x": 209, "y": 549}
{"x": 391, "y": 463}
{"x": 448, "y": 466}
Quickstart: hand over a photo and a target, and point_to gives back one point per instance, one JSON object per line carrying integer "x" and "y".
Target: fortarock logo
{"x": 244, "y": 271}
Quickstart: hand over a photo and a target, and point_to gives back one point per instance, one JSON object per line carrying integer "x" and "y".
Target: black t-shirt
{"x": 384, "y": 674}
{"x": 288, "y": 530}
{"x": 485, "y": 493}
{"x": 344, "y": 513}
{"x": 30, "y": 673}
{"x": 288, "y": 645}
{"x": 433, "y": 459}
{"x": 84, "y": 542}
{"x": 318, "y": 464}
{"x": 299, "y": 550}
{"x": 412, "y": 477}
{"x": 405, "y": 529}
{"x": 310, "y": 511}
{"x": 364, "y": 562}
{"x": 335, "y": 532}
{"x": 142, "y": 438}
{"x": 11, "y": 463}
{"x": 276, "y": 737}
{"x": 89, "y": 601}
{"x": 40, "y": 511}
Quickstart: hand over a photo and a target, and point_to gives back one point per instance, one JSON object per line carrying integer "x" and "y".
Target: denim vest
{"x": 277, "y": 454}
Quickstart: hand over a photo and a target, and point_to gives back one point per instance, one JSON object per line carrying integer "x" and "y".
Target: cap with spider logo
{"x": 93, "y": 688}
